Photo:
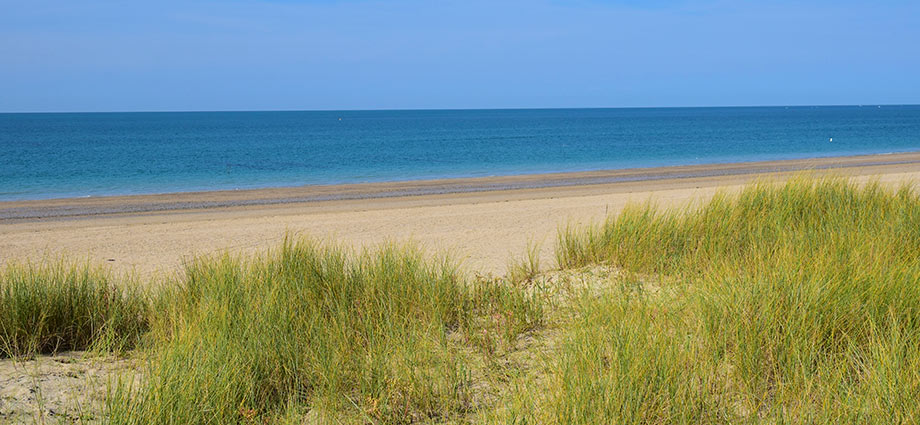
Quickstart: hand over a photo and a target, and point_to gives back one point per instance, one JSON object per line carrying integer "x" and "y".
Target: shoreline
{"x": 482, "y": 229}
{"x": 69, "y": 208}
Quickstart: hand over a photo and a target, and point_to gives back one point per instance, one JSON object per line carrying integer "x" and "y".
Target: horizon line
{"x": 460, "y": 109}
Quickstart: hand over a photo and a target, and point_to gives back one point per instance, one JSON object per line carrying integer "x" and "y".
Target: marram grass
{"x": 58, "y": 307}
{"x": 785, "y": 303}
{"x": 383, "y": 337}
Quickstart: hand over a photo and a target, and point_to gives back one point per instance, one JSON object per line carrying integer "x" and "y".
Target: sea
{"x": 57, "y": 155}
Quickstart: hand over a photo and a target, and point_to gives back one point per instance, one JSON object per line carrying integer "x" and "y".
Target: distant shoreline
{"x": 119, "y": 155}
{"x": 62, "y": 208}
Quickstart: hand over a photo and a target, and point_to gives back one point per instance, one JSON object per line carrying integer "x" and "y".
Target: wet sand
{"x": 482, "y": 221}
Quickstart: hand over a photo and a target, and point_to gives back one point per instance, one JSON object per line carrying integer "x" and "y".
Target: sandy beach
{"x": 484, "y": 222}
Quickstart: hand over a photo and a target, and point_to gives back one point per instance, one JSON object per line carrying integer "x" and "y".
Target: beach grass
{"x": 526, "y": 268}
{"x": 60, "y": 306}
{"x": 794, "y": 302}
{"x": 383, "y": 336}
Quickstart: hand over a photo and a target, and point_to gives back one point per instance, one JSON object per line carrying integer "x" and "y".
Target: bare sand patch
{"x": 67, "y": 387}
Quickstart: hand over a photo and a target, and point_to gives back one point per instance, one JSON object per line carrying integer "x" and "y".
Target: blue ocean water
{"x": 95, "y": 154}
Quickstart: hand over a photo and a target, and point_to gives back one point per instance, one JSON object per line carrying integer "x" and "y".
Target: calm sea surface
{"x": 70, "y": 155}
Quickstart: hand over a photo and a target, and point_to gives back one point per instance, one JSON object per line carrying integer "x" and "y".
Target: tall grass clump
{"x": 58, "y": 307}
{"x": 526, "y": 268}
{"x": 802, "y": 300}
{"x": 627, "y": 360}
{"x": 310, "y": 329}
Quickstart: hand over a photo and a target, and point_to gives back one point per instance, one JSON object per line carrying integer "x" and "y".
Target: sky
{"x": 95, "y": 55}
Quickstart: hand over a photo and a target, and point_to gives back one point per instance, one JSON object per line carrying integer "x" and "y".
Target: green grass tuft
{"x": 45, "y": 309}
{"x": 527, "y": 268}
{"x": 372, "y": 337}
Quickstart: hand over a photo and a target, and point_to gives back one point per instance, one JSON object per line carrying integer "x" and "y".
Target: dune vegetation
{"x": 58, "y": 307}
{"x": 784, "y": 303}
{"x": 383, "y": 336}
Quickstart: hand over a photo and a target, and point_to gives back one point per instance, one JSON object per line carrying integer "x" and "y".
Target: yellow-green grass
{"x": 796, "y": 302}
{"x": 56, "y": 307}
{"x": 785, "y": 303}
{"x": 384, "y": 336}
{"x": 527, "y": 268}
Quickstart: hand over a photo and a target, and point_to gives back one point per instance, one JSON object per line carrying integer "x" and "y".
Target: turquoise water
{"x": 95, "y": 154}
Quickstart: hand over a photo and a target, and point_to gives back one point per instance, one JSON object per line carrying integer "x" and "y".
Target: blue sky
{"x": 93, "y": 55}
